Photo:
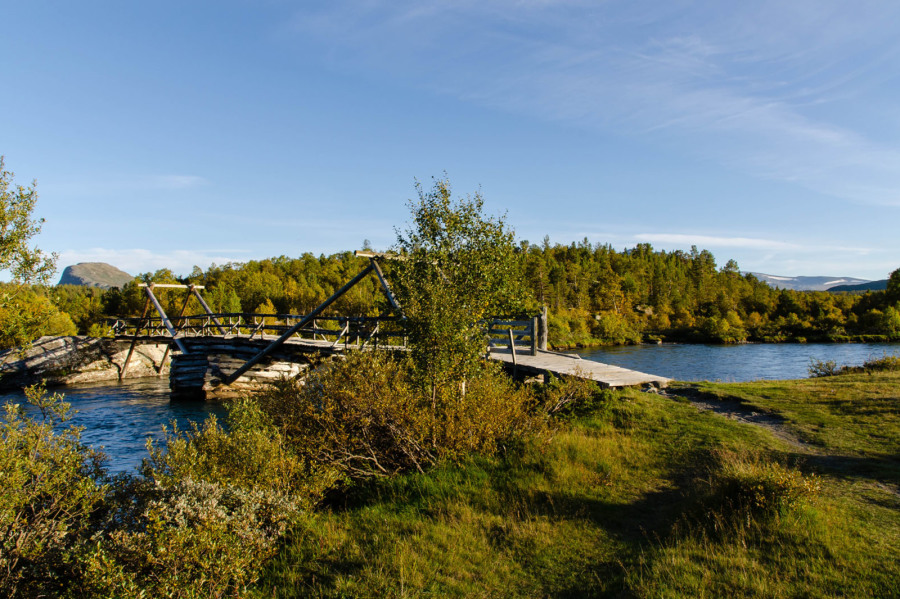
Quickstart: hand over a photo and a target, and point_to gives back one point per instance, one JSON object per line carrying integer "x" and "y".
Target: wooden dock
{"x": 607, "y": 375}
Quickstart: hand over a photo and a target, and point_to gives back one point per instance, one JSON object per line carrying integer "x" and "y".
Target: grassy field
{"x": 643, "y": 495}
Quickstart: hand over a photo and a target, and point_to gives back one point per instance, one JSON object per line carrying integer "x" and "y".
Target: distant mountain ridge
{"x": 807, "y": 283}
{"x": 870, "y": 286}
{"x": 94, "y": 274}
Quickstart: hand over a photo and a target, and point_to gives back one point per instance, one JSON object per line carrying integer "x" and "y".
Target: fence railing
{"x": 518, "y": 335}
{"x": 528, "y": 335}
{"x": 358, "y": 331}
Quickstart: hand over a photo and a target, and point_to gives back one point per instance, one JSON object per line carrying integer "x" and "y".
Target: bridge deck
{"x": 607, "y": 375}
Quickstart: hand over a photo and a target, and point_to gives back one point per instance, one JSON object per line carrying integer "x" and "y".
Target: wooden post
{"x": 205, "y": 307}
{"x": 181, "y": 326}
{"x": 543, "y": 335}
{"x": 137, "y": 332}
{"x": 512, "y": 349}
{"x": 165, "y": 319}
{"x": 534, "y": 336}
{"x": 386, "y": 288}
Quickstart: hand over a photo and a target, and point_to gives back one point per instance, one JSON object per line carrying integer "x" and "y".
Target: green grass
{"x": 629, "y": 501}
{"x": 852, "y": 419}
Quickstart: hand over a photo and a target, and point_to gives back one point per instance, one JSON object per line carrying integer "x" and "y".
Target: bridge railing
{"x": 358, "y": 331}
{"x": 517, "y": 335}
{"x": 527, "y": 335}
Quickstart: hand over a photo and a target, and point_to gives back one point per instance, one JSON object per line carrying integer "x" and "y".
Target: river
{"x": 121, "y": 417}
{"x": 734, "y": 363}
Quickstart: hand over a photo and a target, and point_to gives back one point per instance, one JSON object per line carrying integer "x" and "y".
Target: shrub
{"x": 188, "y": 538}
{"x": 368, "y": 416}
{"x": 207, "y": 511}
{"x": 571, "y": 395}
{"x": 884, "y": 363}
{"x": 819, "y": 368}
{"x": 199, "y": 522}
{"x": 745, "y": 483}
{"x": 251, "y": 454}
{"x": 49, "y": 491}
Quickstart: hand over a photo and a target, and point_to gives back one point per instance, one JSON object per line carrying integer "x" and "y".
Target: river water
{"x": 121, "y": 417}
{"x": 734, "y": 363}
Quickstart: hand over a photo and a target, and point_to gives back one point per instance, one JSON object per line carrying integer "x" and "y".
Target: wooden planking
{"x": 607, "y": 375}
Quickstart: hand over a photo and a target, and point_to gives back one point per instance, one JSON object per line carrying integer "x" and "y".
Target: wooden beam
{"x": 162, "y": 362}
{"x": 512, "y": 349}
{"x": 290, "y": 332}
{"x": 209, "y": 312}
{"x": 385, "y": 255}
{"x": 134, "y": 341}
{"x": 386, "y": 288}
{"x": 165, "y": 319}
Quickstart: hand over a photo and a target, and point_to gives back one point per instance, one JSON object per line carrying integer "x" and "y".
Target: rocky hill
{"x": 94, "y": 274}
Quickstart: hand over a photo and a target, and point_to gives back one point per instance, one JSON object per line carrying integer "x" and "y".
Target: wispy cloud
{"x": 761, "y": 86}
{"x": 136, "y": 261}
{"x": 177, "y": 181}
{"x": 117, "y": 184}
{"x": 679, "y": 239}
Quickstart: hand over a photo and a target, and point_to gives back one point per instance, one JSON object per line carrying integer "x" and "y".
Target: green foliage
{"x": 251, "y": 454}
{"x": 29, "y": 314}
{"x": 617, "y": 503}
{"x": 49, "y": 491}
{"x": 24, "y": 263}
{"x": 200, "y": 522}
{"x": 572, "y": 395}
{"x": 21, "y": 317}
{"x": 819, "y": 368}
{"x": 185, "y": 538}
{"x": 886, "y": 363}
{"x": 368, "y": 416}
{"x": 459, "y": 267}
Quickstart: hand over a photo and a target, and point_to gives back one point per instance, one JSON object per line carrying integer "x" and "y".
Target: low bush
{"x": 200, "y": 520}
{"x": 882, "y": 364}
{"x": 251, "y": 455}
{"x": 748, "y": 483}
{"x": 819, "y": 368}
{"x": 368, "y": 416}
{"x": 571, "y": 396}
{"x": 50, "y": 489}
{"x": 885, "y": 363}
{"x": 189, "y": 538}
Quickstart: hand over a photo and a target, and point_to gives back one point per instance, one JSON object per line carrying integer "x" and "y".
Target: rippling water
{"x": 119, "y": 418}
{"x": 733, "y": 363}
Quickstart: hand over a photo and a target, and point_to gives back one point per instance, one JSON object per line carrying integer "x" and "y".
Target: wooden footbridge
{"x": 219, "y": 355}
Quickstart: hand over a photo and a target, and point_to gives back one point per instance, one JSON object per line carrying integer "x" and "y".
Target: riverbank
{"x": 767, "y": 488}
{"x": 641, "y": 495}
{"x": 592, "y": 343}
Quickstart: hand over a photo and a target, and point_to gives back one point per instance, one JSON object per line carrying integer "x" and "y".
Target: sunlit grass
{"x": 635, "y": 499}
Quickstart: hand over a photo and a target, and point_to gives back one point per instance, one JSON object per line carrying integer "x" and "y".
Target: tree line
{"x": 595, "y": 295}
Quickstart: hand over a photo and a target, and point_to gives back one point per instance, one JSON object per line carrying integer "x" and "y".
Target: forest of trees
{"x": 595, "y": 295}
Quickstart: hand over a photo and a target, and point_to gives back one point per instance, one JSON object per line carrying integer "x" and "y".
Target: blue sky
{"x": 173, "y": 134}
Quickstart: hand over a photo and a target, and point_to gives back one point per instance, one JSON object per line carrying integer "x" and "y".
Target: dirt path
{"x": 773, "y": 423}
{"x": 735, "y": 410}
